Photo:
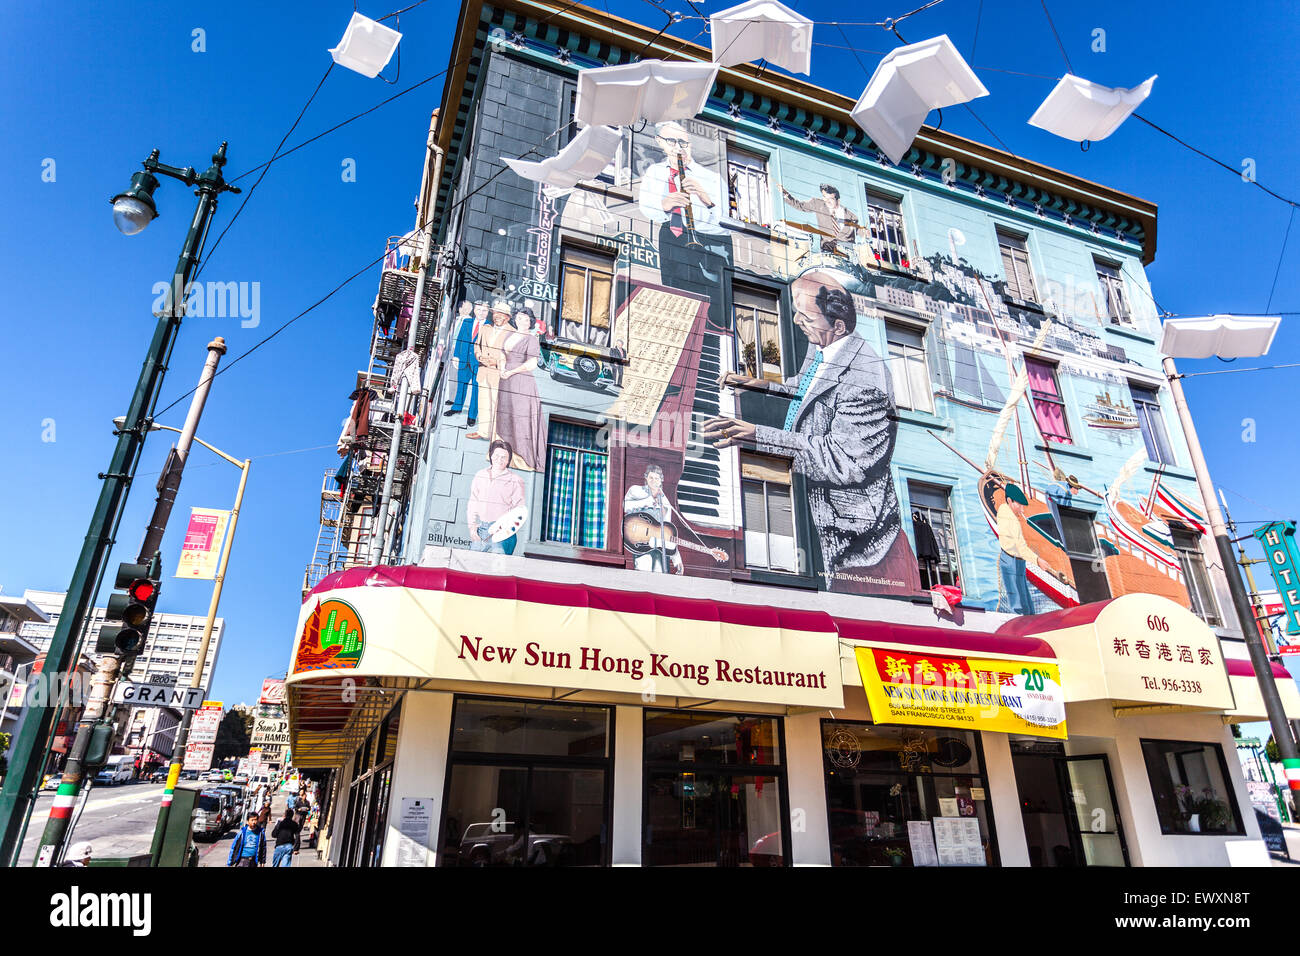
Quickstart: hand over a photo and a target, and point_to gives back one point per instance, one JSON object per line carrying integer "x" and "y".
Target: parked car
{"x": 158, "y": 776}
{"x": 499, "y": 844}
{"x": 119, "y": 769}
{"x": 52, "y": 781}
{"x": 189, "y": 775}
{"x": 241, "y": 779}
{"x": 215, "y": 776}
{"x": 210, "y": 816}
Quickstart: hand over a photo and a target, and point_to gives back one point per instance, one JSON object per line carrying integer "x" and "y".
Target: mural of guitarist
{"x": 648, "y": 530}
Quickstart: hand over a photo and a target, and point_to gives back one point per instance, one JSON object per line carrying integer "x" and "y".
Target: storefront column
{"x": 420, "y": 767}
{"x": 1004, "y": 799}
{"x": 810, "y": 841}
{"x": 629, "y": 785}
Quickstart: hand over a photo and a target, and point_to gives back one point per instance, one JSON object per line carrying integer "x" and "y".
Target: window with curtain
{"x": 932, "y": 509}
{"x": 1015, "y": 265}
{"x": 749, "y": 192}
{"x": 885, "y": 223}
{"x": 907, "y": 366}
{"x": 1147, "y": 405}
{"x": 586, "y": 297}
{"x": 769, "y": 513}
{"x": 1199, "y": 590}
{"x": 1112, "y": 291}
{"x": 577, "y": 486}
{"x": 1049, "y": 409}
{"x": 758, "y": 333}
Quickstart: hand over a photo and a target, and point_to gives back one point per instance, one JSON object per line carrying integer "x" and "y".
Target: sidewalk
{"x": 216, "y": 854}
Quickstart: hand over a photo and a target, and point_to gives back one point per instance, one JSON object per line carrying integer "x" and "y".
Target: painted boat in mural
{"x": 1144, "y": 532}
{"x": 1181, "y": 507}
{"x": 1105, "y": 413}
{"x": 1042, "y": 535}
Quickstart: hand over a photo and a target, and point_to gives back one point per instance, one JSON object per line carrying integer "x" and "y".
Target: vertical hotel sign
{"x": 202, "y": 548}
{"x": 1278, "y": 541}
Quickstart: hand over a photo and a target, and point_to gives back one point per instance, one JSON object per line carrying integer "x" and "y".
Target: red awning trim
{"x": 693, "y": 609}
{"x": 1029, "y": 624}
{"x": 1239, "y": 667}
{"x": 974, "y": 642}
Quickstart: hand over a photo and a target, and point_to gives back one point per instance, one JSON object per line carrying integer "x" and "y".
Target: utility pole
{"x": 132, "y": 211}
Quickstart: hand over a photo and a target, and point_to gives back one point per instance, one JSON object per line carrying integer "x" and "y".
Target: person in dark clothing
{"x": 285, "y": 836}
{"x": 249, "y": 846}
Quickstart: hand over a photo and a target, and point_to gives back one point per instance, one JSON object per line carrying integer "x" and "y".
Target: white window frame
{"x": 910, "y": 356}
{"x": 754, "y": 301}
{"x": 756, "y": 464}
{"x": 1110, "y": 276}
{"x": 588, "y": 261}
{"x": 750, "y": 169}
{"x": 887, "y": 229}
{"x": 1017, "y": 266}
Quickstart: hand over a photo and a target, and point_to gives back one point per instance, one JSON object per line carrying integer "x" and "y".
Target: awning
{"x": 1140, "y": 651}
{"x": 1250, "y": 699}
{"x": 367, "y": 633}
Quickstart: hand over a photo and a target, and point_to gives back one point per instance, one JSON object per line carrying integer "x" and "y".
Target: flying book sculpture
{"x": 651, "y": 90}
{"x": 1080, "y": 110}
{"x": 907, "y": 84}
{"x": 1227, "y": 336}
{"x": 762, "y": 30}
{"x": 366, "y": 47}
{"x": 586, "y": 155}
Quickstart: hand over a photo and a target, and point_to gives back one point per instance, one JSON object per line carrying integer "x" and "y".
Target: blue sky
{"x": 95, "y": 90}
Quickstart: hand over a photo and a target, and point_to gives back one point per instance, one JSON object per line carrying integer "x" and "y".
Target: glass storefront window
{"x": 714, "y": 790}
{"x": 881, "y": 779}
{"x": 523, "y": 727}
{"x": 540, "y": 799}
{"x": 1191, "y": 787}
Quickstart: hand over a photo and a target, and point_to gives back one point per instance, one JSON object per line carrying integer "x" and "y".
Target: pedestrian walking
{"x": 249, "y": 846}
{"x": 285, "y": 836}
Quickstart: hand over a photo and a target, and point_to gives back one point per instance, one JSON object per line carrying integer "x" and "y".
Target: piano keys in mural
{"x": 707, "y": 389}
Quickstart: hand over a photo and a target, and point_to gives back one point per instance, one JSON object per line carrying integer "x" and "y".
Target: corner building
{"x": 834, "y": 515}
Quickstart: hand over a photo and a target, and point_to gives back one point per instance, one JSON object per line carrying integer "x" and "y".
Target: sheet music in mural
{"x": 658, "y": 323}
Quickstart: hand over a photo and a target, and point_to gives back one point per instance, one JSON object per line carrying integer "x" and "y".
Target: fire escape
{"x": 386, "y": 420}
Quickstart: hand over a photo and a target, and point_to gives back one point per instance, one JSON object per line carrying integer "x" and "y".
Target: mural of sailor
{"x": 1015, "y": 554}
{"x": 839, "y": 432}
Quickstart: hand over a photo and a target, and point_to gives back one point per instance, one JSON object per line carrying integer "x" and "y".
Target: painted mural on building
{"x": 714, "y": 364}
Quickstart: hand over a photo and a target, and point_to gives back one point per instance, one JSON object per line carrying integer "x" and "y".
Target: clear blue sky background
{"x": 94, "y": 88}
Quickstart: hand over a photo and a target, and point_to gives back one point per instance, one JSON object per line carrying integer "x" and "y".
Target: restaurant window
{"x": 586, "y": 297}
{"x": 1016, "y": 268}
{"x": 907, "y": 365}
{"x": 577, "y": 485}
{"x": 906, "y": 796}
{"x": 750, "y": 196}
{"x": 527, "y": 785}
{"x": 885, "y": 227}
{"x": 715, "y": 790}
{"x": 758, "y": 334}
{"x": 935, "y": 544}
{"x": 1146, "y": 403}
{"x": 1087, "y": 560}
{"x": 768, "y": 513}
{"x": 1049, "y": 409}
{"x": 1199, "y": 590}
{"x": 1112, "y": 291}
{"x": 1191, "y": 787}
{"x": 367, "y": 822}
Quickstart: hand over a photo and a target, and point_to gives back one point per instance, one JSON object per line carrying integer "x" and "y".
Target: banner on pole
{"x": 201, "y": 551}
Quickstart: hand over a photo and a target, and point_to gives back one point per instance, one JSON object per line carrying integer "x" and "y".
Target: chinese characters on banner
{"x": 201, "y": 551}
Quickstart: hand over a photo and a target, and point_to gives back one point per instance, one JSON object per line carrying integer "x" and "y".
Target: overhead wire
{"x": 1280, "y": 256}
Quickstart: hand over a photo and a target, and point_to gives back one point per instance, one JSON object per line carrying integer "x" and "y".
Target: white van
{"x": 120, "y": 768}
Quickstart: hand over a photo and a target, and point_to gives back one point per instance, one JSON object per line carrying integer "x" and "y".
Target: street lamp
{"x": 133, "y": 209}
{"x": 1229, "y": 336}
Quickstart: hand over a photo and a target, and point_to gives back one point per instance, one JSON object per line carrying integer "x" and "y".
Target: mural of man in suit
{"x": 839, "y": 432}
{"x": 471, "y": 316}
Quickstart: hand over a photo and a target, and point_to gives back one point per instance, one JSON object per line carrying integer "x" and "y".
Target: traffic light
{"x": 133, "y": 608}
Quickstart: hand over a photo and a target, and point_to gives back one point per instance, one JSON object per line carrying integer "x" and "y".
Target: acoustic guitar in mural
{"x": 643, "y": 533}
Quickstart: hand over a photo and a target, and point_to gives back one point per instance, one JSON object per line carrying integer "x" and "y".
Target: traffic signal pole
{"x": 20, "y": 783}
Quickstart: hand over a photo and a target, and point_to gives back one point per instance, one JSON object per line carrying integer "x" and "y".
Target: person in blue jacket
{"x": 249, "y": 846}
{"x": 471, "y": 316}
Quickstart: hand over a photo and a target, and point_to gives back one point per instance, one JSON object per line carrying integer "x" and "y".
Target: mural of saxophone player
{"x": 839, "y": 432}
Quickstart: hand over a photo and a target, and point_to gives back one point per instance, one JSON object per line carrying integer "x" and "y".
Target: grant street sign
{"x": 159, "y": 695}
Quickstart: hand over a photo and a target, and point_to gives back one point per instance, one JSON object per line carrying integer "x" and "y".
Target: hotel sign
{"x": 1278, "y": 542}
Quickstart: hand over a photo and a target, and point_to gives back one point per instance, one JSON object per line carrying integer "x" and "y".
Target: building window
{"x": 1049, "y": 409}
{"x": 1087, "y": 560}
{"x": 768, "y": 514}
{"x": 1191, "y": 787}
{"x": 888, "y": 789}
{"x": 932, "y": 534}
{"x": 1112, "y": 291}
{"x": 1146, "y": 403}
{"x": 714, "y": 790}
{"x": 750, "y": 195}
{"x": 1199, "y": 590}
{"x": 1015, "y": 266}
{"x": 586, "y": 297}
{"x": 577, "y": 484}
{"x": 885, "y": 224}
{"x": 758, "y": 334}
{"x": 907, "y": 365}
{"x": 528, "y": 785}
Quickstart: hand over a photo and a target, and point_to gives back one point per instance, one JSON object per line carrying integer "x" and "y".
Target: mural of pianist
{"x": 839, "y": 432}
{"x": 685, "y": 197}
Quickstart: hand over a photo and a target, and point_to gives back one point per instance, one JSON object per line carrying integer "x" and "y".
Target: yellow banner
{"x": 201, "y": 551}
{"x": 1014, "y": 697}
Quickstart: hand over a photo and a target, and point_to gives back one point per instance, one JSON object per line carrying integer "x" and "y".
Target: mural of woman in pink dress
{"x": 519, "y": 407}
